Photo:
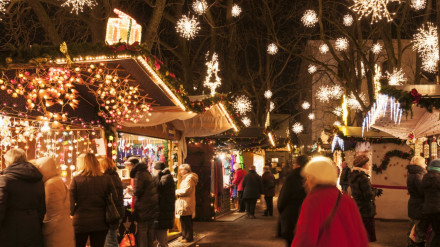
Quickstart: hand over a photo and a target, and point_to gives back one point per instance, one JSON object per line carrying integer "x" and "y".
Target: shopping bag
{"x": 412, "y": 234}
{"x": 128, "y": 240}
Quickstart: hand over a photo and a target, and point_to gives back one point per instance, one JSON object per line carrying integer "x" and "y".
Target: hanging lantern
{"x": 426, "y": 150}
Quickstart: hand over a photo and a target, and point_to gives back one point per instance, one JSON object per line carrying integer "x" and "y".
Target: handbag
{"x": 329, "y": 218}
{"x": 112, "y": 215}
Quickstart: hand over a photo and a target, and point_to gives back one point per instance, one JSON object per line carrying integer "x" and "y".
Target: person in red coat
{"x": 328, "y": 218}
{"x": 238, "y": 181}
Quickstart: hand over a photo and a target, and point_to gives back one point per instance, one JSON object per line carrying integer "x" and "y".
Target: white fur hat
{"x": 322, "y": 170}
{"x": 419, "y": 161}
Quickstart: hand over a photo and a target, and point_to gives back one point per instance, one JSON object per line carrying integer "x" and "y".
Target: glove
{"x": 379, "y": 192}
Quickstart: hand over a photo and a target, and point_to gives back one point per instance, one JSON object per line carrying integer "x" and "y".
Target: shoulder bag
{"x": 329, "y": 218}
{"x": 112, "y": 216}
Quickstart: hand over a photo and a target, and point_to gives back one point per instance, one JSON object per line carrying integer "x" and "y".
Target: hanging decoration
{"x": 376, "y": 80}
{"x": 213, "y": 69}
{"x": 78, "y": 5}
{"x": 376, "y": 48}
{"x": 3, "y": 4}
{"x": 123, "y": 29}
{"x": 305, "y": 105}
{"x": 311, "y": 116}
{"x": 326, "y": 93}
{"x": 341, "y": 44}
{"x": 434, "y": 150}
{"x": 426, "y": 149}
{"x": 384, "y": 104}
{"x": 344, "y": 108}
{"x": 271, "y": 106}
{"x": 376, "y": 8}
{"x": 236, "y": 10}
{"x": 187, "y": 27}
{"x": 312, "y": 69}
{"x": 297, "y": 128}
{"x": 323, "y": 48}
{"x": 386, "y": 159}
{"x": 338, "y": 111}
{"x": 309, "y": 18}
{"x": 396, "y": 78}
{"x": 272, "y": 49}
{"x": 418, "y": 4}
{"x": 425, "y": 42}
{"x": 242, "y": 104}
{"x": 200, "y": 6}
{"x": 268, "y": 94}
{"x": 354, "y": 104}
{"x": 246, "y": 121}
{"x": 337, "y": 142}
{"x": 337, "y": 123}
{"x": 347, "y": 20}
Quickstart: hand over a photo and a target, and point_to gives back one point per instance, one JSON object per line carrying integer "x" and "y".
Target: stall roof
{"x": 349, "y": 131}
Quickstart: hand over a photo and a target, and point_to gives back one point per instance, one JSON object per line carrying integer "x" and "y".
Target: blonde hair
{"x": 185, "y": 167}
{"x": 91, "y": 165}
{"x": 106, "y": 163}
{"x": 14, "y": 156}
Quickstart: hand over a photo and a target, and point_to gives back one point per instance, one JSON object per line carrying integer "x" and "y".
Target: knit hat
{"x": 322, "y": 170}
{"x": 435, "y": 163}
{"x": 159, "y": 165}
{"x": 360, "y": 160}
{"x": 419, "y": 161}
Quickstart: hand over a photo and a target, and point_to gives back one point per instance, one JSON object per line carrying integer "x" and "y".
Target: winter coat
{"x": 291, "y": 197}
{"x": 431, "y": 190}
{"x": 88, "y": 200}
{"x": 362, "y": 192}
{"x": 22, "y": 206}
{"x": 268, "y": 180}
{"x": 238, "y": 179}
{"x": 345, "y": 230}
{"x": 57, "y": 225}
{"x": 146, "y": 206}
{"x": 117, "y": 183}
{"x": 186, "y": 195}
{"x": 166, "y": 190}
{"x": 343, "y": 180}
{"x": 414, "y": 184}
{"x": 252, "y": 186}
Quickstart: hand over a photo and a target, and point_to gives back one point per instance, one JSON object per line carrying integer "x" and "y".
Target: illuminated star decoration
{"x": 78, "y": 5}
{"x": 187, "y": 28}
{"x": 200, "y": 6}
{"x": 323, "y": 48}
{"x": 338, "y": 111}
{"x": 418, "y": 4}
{"x": 242, "y": 104}
{"x": 376, "y": 48}
{"x": 396, "y": 78}
{"x": 337, "y": 123}
{"x": 3, "y": 4}
{"x": 326, "y": 93}
{"x": 376, "y": 8}
{"x": 311, "y": 116}
{"x": 353, "y": 103}
{"x": 236, "y": 10}
{"x": 425, "y": 42}
{"x": 310, "y": 18}
{"x": 213, "y": 69}
{"x": 268, "y": 94}
{"x": 297, "y": 128}
{"x": 272, "y": 49}
{"x": 341, "y": 44}
{"x": 347, "y": 20}
{"x": 312, "y": 69}
{"x": 271, "y": 106}
{"x": 305, "y": 105}
{"x": 246, "y": 121}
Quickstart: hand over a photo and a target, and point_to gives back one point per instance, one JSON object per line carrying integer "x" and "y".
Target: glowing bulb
{"x": 323, "y": 48}
{"x": 347, "y": 20}
{"x": 272, "y": 49}
{"x": 236, "y": 10}
{"x": 376, "y": 48}
{"x": 242, "y": 104}
{"x": 188, "y": 28}
{"x": 310, "y": 18}
{"x": 246, "y": 121}
{"x": 341, "y": 44}
{"x": 305, "y": 105}
{"x": 268, "y": 94}
{"x": 200, "y": 6}
{"x": 297, "y": 128}
{"x": 312, "y": 69}
{"x": 311, "y": 116}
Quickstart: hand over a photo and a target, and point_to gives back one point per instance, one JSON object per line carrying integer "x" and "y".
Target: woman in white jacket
{"x": 57, "y": 225}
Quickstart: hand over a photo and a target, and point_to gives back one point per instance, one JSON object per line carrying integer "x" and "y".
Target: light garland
{"x": 122, "y": 29}
{"x": 396, "y": 78}
{"x": 272, "y": 141}
{"x": 425, "y": 42}
{"x": 312, "y": 69}
{"x": 376, "y": 48}
{"x": 353, "y": 103}
{"x": 323, "y": 48}
{"x": 3, "y": 4}
{"x": 344, "y": 108}
{"x": 213, "y": 69}
{"x": 297, "y": 128}
{"x": 341, "y": 44}
{"x": 242, "y": 104}
{"x": 305, "y": 105}
{"x": 311, "y": 116}
{"x": 246, "y": 121}
{"x": 271, "y": 106}
{"x": 384, "y": 104}
{"x": 376, "y": 8}
{"x": 347, "y": 20}
{"x": 268, "y": 94}
{"x": 376, "y": 80}
{"x": 272, "y": 49}
{"x": 78, "y": 5}
{"x": 337, "y": 141}
{"x": 200, "y": 6}
{"x": 236, "y": 10}
{"x": 309, "y": 18}
{"x": 228, "y": 117}
{"x": 326, "y": 93}
{"x": 187, "y": 27}
{"x": 337, "y": 123}
{"x": 418, "y": 4}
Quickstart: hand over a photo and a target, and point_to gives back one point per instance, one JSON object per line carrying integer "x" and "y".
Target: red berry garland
{"x": 388, "y": 156}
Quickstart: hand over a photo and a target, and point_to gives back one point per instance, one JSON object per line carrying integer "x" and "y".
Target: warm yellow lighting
{"x": 344, "y": 110}
{"x": 272, "y": 142}
{"x": 223, "y": 109}
{"x": 123, "y": 29}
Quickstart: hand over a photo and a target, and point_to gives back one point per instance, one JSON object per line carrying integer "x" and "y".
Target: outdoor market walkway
{"x": 262, "y": 232}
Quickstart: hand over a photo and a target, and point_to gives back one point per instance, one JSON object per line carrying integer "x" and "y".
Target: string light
{"x": 78, "y": 5}
{"x": 271, "y": 106}
{"x": 376, "y": 8}
{"x": 384, "y": 105}
{"x": 311, "y": 116}
{"x": 338, "y": 111}
{"x": 268, "y": 94}
{"x": 376, "y": 48}
{"x": 213, "y": 69}
{"x": 323, "y": 48}
{"x": 272, "y": 49}
{"x": 305, "y": 105}
{"x": 425, "y": 42}
{"x": 236, "y": 10}
{"x": 297, "y": 128}
{"x": 396, "y": 78}
{"x": 418, "y": 4}
{"x": 326, "y": 93}
{"x": 353, "y": 103}
{"x": 312, "y": 69}
{"x": 242, "y": 104}
{"x": 337, "y": 141}
{"x": 188, "y": 28}
{"x": 246, "y": 121}
{"x": 122, "y": 29}
{"x": 341, "y": 44}
{"x": 200, "y": 6}
{"x": 3, "y": 4}
{"x": 347, "y": 20}
{"x": 376, "y": 80}
{"x": 310, "y": 18}
{"x": 337, "y": 123}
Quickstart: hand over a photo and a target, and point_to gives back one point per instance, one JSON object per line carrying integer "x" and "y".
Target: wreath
{"x": 388, "y": 156}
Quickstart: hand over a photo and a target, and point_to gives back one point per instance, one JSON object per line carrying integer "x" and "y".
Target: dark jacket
{"x": 166, "y": 190}
{"x": 252, "y": 186}
{"x": 146, "y": 207}
{"x": 268, "y": 180}
{"x": 414, "y": 184}
{"x": 291, "y": 197}
{"x": 363, "y": 193}
{"x": 88, "y": 200}
{"x": 117, "y": 183}
{"x": 431, "y": 190}
{"x": 343, "y": 180}
{"x": 22, "y": 206}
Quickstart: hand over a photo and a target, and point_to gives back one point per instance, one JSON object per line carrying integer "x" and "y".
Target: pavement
{"x": 262, "y": 232}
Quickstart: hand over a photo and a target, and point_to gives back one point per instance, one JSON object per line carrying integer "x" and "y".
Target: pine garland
{"x": 386, "y": 159}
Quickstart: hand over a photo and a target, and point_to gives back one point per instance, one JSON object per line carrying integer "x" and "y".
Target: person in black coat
{"x": 343, "y": 180}
{"x": 269, "y": 185}
{"x": 291, "y": 197}
{"x": 431, "y": 204}
{"x": 146, "y": 207}
{"x": 252, "y": 190}
{"x": 22, "y": 202}
{"x": 166, "y": 190}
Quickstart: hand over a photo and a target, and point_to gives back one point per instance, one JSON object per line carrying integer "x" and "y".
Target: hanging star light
{"x": 376, "y": 8}
{"x": 337, "y": 123}
{"x": 425, "y": 42}
{"x": 268, "y": 94}
{"x": 271, "y": 106}
{"x": 323, "y": 48}
{"x": 246, "y": 121}
{"x": 396, "y": 78}
{"x": 3, "y": 4}
{"x": 338, "y": 111}
{"x": 347, "y": 20}
{"x": 353, "y": 103}
{"x": 376, "y": 48}
{"x": 188, "y": 28}
{"x": 305, "y": 105}
{"x": 326, "y": 93}
{"x": 341, "y": 44}
{"x": 242, "y": 104}
{"x": 297, "y": 128}
{"x": 312, "y": 69}
{"x": 418, "y": 4}
{"x": 311, "y": 116}
{"x": 236, "y": 10}
{"x": 213, "y": 69}
{"x": 310, "y": 18}
{"x": 200, "y": 6}
{"x": 78, "y": 5}
{"x": 272, "y": 49}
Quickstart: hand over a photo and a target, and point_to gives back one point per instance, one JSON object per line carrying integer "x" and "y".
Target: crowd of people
{"x": 38, "y": 209}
